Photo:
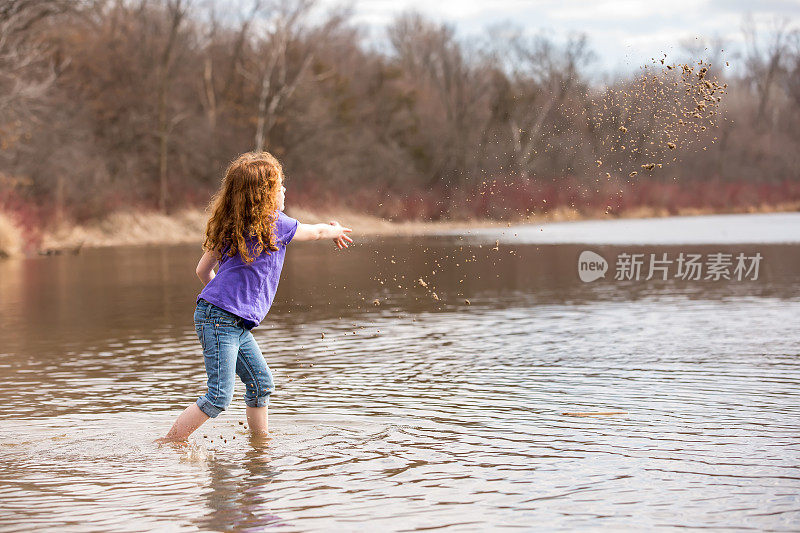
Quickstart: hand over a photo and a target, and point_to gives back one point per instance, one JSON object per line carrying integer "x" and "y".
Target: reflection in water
{"x": 415, "y": 413}
{"x": 239, "y": 495}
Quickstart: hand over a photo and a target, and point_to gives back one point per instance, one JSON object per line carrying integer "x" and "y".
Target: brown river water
{"x": 416, "y": 413}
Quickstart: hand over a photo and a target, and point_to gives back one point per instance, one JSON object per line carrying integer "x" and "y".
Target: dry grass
{"x": 188, "y": 226}
{"x": 131, "y": 228}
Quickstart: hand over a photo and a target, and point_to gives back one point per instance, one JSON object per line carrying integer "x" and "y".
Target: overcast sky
{"x": 624, "y": 33}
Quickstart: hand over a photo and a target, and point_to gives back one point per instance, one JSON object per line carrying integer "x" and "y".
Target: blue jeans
{"x": 229, "y": 349}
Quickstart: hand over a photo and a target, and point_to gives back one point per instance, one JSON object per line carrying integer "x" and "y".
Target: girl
{"x": 247, "y": 234}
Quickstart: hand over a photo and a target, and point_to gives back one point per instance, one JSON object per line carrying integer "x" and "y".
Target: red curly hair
{"x": 246, "y": 204}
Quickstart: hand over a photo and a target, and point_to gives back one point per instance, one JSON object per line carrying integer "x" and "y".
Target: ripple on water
{"x": 424, "y": 417}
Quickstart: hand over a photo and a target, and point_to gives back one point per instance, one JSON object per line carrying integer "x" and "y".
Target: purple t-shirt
{"x": 247, "y": 290}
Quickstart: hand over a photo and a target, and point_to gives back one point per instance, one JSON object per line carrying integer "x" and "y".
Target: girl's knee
{"x": 265, "y": 382}
{"x": 256, "y": 378}
{"x": 260, "y": 397}
{"x": 214, "y": 405}
{"x": 258, "y": 387}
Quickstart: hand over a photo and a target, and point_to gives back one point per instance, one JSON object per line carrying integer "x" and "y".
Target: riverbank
{"x": 188, "y": 226}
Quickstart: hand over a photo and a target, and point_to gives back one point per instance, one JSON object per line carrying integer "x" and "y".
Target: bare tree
{"x": 28, "y": 69}
{"x": 430, "y": 54}
{"x": 146, "y": 100}
{"x": 284, "y": 28}
{"x": 764, "y": 64}
{"x": 792, "y": 80}
{"x": 208, "y": 41}
{"x": 542, "y": 75}
{"x": 176, "y": 11}
{"x": 286, "y": 58}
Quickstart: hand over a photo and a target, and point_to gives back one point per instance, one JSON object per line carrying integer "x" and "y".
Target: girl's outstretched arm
{"x": 334, "y": 230}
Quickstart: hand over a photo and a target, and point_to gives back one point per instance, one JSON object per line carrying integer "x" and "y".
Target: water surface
{"x": 417, "y": 412}
{"x": 707, "y": 229}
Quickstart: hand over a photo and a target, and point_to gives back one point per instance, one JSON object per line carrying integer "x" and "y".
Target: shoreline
{"x": 145, "y": 228}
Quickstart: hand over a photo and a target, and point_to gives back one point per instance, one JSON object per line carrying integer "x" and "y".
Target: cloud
{"x": 616, "y": 11}
{"x": 622, "y": 32}
{"x": 788, "y": 8}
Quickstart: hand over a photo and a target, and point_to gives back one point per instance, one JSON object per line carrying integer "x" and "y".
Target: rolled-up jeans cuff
{"x": 261, "y": 401}
{"x": 207, "y": 407}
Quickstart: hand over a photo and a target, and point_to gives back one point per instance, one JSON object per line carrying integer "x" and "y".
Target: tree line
{"x": 110, "y": 104}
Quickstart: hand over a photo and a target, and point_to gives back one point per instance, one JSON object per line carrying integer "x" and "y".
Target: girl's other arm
{"x": 205, "y": 268}
{"x": 314, "y": 232}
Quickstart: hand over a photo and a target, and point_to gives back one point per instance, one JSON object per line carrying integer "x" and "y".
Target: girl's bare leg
{"x": 257, "y": 419}
{"x": 188, "y": 421}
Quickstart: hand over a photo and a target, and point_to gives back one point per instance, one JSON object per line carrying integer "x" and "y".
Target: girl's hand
{"x": 342, "y": 239}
